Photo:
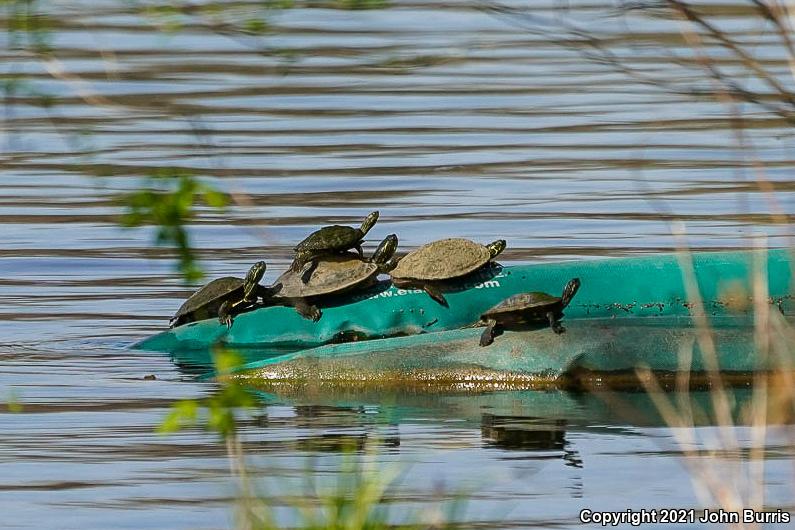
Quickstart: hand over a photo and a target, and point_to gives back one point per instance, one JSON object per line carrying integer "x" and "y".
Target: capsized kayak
{"x": 453, "y": 360}
{"x": 619, "y": 288}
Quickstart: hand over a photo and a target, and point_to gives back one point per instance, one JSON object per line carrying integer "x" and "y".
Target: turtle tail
{"x": 569, "y": 291}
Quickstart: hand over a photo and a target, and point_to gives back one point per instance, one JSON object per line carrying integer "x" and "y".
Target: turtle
{"x": 329, "y": 240}
{"x": 334, "y": 274}
{"x": 223, "y": 297}
{"x": 526, "y": 308}
{"x": 442, "y": 260}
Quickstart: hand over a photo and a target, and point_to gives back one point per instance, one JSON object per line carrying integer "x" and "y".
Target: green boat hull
{"x": 619, "y": 301}
{"x": 454, "y": 360}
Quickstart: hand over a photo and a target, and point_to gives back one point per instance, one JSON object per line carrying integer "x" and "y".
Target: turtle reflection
{"x": 342, "y": 429}
{"x": 523, "y": 433}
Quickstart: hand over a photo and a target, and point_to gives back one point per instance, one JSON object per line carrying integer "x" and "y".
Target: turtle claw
{"x": 310, "y": 311}
{"x": 315, "y": 313}
{"x": 227, "y": 320}
{"x": 487, "y": 337}
{"x": 555, "y": 324}
{"x": 492, "y": 330}
{"x": 435, "y": 293}
{"x": 225, "y": 313}
{"x": 307, "y": 310}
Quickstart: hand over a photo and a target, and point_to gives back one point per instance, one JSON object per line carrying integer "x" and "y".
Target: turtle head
{"x": 569, "y": 291}
{"x": 385, "y": 251}
{"x": 254, "y": 276}
{"x": 496, "y": 247}
{"x": 368, "y": 222}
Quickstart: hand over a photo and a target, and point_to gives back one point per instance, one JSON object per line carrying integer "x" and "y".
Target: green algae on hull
{"x": 438, "y": 361}
{"x": 516, "y": 359}
{"x": 304, "y": 373}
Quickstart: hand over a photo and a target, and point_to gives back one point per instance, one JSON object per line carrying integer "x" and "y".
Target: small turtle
{"x": 527, "y": 308}
{"x": 329, "y": 240}
{"x": 333, "y": 275}
{"x": 223, "y": 297}
{"x": 442, "y": 260}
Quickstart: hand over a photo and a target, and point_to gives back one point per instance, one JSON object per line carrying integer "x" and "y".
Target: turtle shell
{"x": 331, "y": 238}
{"x": 523, "y": 302}
{"x": 333, "y": 274}
{"x": 209, "y": 298}
{"x": 442, "y": 260}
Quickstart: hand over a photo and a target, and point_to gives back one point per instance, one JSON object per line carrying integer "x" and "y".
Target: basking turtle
{"x": 527, "y": 308}
{"x": 333, "y": 275}
{"x": 442, "y": 260}
{"x": 223, "y": 297}
{"x": 329, "y": 240}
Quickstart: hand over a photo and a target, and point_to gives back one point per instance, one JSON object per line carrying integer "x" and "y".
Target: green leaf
{"x": 13, "y": 405}
{"x": 255, "y": 25}
{"x": 226, "y": 360}
{"x": 215, "y": 198}
{"x": 182, "y": 414}
{"x": 168, "y": 202}
{"x": 190, "y": 271}
{"x": 166, "y": 15}
{"x": 279, "y": 4}
{"x": 362, "y": 4}
{"x": 212, "y": 9}
{"x": 221, "y": 421}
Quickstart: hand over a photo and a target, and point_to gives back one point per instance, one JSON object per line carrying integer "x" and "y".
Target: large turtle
{"x": 527, "y": 308}
{"x": 329, "y": 240}
{"x": 333, "y": 275}
{"x": 442, "y": 260}
{"x": 223, "y": 298}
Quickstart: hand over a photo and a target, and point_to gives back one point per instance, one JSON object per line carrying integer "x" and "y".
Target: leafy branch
{"x": 217, "y": 412}
{"x": 358, "y": 501}
{"x": 168, "y": 200}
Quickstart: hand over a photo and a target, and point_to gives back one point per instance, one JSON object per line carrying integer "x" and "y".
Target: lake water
{"x": 450, "y": 118}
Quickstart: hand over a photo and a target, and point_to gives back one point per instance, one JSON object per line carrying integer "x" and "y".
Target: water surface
{"x": 452, "y": 121}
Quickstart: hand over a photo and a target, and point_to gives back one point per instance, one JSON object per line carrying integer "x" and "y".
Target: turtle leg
{"x": 266, "y": 293}
{"x": 225, "y": 314}
{"x": 435, "y": 292}
{"x": 298, "y": 262}
{"x": 489, "y": 333}
{"x": 306, "y": 310}
{"x": 229, "y": 310}
{"x": 388, "y": 266}
{"x": 554, "y": 322}
{"x": 307, "y": 274}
